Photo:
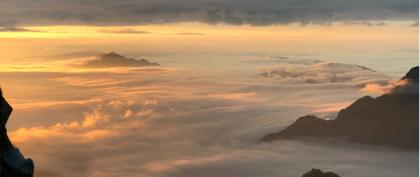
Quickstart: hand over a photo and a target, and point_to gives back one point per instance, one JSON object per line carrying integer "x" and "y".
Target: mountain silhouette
{"x": 391, "y": 119}
{"x": 116, "y": 60}
{"x": 412, "y": 75}
{"x": 319, "y": 173}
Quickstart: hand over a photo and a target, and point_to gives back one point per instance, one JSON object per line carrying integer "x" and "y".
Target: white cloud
{"x": 168, "y": 123}
{"x": 321, "y": 73}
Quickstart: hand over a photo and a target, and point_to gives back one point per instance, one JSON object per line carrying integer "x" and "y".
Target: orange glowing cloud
{"x": 234, "y": 96}
{"x": 333, "y": 107}
{"x": 382, "y": 89}
{"x": 84, "y": 130}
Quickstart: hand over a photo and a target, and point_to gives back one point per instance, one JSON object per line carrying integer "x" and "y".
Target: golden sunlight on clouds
{"x": 196, "y": 38}
{"x": 198, "y": 30}
{"x": 216, "y": 91}
{"x": 83, "y": 131}
{"x": 332, "y": 107}
{"x": 381, "y": 89}
{"x": 45, "y": 104}
{"x": 235, "y": 96}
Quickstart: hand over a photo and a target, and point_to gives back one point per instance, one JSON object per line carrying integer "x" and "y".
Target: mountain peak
{"x": 391, "y": 120}
{"x": 112, "y": 55}
{"x": 411, "y": 86}
{"x": 114, "y": 59}
{"x": 319, "y": 173}
{"x": 412, "y": 75}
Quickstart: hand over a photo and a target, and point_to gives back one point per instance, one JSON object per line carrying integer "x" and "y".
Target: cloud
{"x": 144, "y": 146}
{"x": 366, "y": 23}
{"x": 44, "y": 104}
{"x": 401, "y": 86}
{"x": 125, "y": 31}
{"x": 84, "y": 130}
{"x": 72, "y": 55}
{"x": 191, "y": 34}
{"x": 379, "y": 88}
{"x": 236, "y": 12}
{"x": 284, "y": 60}
{"x": 233, "y": 96}
{"x": 334, "y": 107}
{"x": 415, "y": 24}
{"x": 17, "y": 29}
{"x": 279, "y": 161}
{"x": 321, "y": 72}
{"x": 171, "y": 123}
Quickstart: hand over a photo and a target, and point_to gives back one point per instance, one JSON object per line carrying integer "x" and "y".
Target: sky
{"x": 230, "y": 72}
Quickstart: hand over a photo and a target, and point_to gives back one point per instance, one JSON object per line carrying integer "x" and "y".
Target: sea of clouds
{"x": 192, "y": 122}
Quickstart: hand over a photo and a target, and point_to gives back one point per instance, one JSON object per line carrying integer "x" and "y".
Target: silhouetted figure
{"x": 12, "y": 162}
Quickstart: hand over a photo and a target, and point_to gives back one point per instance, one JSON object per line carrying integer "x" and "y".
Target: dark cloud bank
{"x": 262, "y": 12}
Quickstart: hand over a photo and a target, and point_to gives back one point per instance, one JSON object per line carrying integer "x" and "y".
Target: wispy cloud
{"x": 191, "y": 33}
{"x": 320, "y": 72}
{"x": 17, "y": 29}
{"x": 365, "y": 23}
{"x": 125, "y": 31}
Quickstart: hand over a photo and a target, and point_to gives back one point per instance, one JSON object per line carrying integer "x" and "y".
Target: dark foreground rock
{"x": 391, "y": 119}
{"x": 319, "y": 173}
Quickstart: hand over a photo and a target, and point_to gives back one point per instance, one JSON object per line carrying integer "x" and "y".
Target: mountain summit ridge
{"x": 113, "y": 59}
{"x": 391, "y": 120}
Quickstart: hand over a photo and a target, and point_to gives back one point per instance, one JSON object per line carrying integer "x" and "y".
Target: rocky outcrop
{"x": 391, "y": 119}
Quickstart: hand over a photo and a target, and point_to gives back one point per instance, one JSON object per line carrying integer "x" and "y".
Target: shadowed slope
{"x": 391, "y": 119}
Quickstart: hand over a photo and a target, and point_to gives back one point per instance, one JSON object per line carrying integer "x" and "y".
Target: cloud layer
{"x": 263, "y": 12}
{"x": 185, "y": 122}
{"x": 312, "y": 71}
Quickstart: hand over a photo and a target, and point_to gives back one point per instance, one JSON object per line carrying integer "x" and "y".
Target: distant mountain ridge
{"x": 116, "y": 60}
{"x": 391, "y": 119}
{"x": 319, "y": 173}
